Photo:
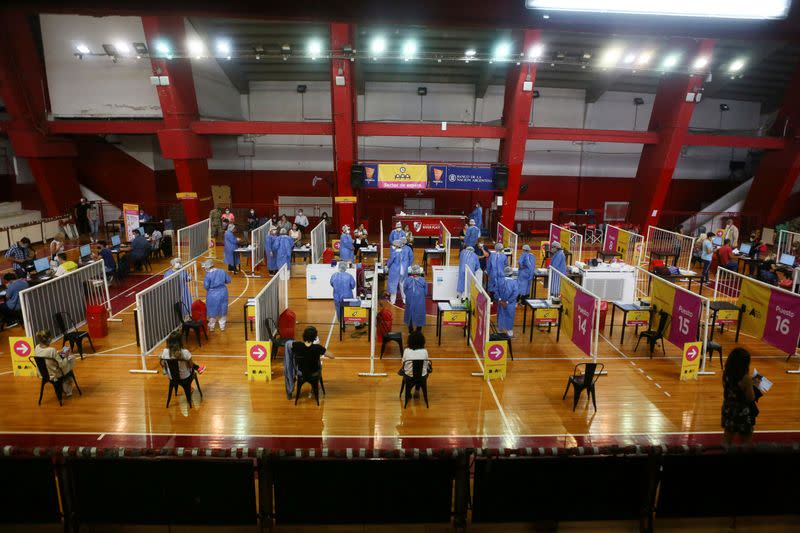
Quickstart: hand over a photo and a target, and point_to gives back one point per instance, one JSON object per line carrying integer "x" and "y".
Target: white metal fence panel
{"x": 673, "y": 248}
{"x": 193, "y": 241}
{"x": 788, "y": 243}
{"x": 509, "y": 240}
{"x": 571, "y": 241}
{"x": 258, "y": 253}
{"x": 318, "y": 244}
{"x": 68, "y": 294}
{"x": 271, "y": 301}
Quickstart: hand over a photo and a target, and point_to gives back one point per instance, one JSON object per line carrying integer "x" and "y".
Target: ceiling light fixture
{"x": 644, "y": 58}
{"x": 671, "y": 60}
{"x": 82, "y": 48}
{"x": 611, "y": 57}
{"x": 700, "y": 63}
{"x": 409, "y": 50}
{"x": 122, "y": 48}
{"x": 774, "y": 9}
{"x": 224, "y": 48}
{"x": 536, "y": 52}
{"x": 196, "y": 48}
{"x": 377, "y": 46}
{"x": 736, "y": 65}
{"x": 314, "y": 48}
{"x": 629, "y": 58}
{"x": 502, "y": 50}
{"x": 162, "y": 48}
{"x": 470, "y": 52}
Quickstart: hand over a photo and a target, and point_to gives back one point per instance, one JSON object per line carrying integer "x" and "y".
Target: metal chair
{"x": 585, "y": 380}
{"x": 58, "y": 385}
{"x": 416, "y": 381}
{"x": 66, "y": 327}
{"x": 175, "y": 381}
{"x": 274, "y": 337}
{"x": 189, "y": 325}
{"x": 653, "y": 335}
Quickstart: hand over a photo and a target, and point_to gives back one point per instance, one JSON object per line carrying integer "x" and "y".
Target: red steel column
{"x": 670, "y": 119}
{"x": 188, "y": 150}
{"x": 516, "y": 118}
{"x": 343, "y": 109}
{"x": 778, "y": 171}
{"x": 23, "y": 89}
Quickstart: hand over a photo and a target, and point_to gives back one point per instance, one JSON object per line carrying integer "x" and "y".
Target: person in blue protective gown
{"x": 269, "y": 252}
{"x": 393, "y": 267}
{"x": 477, "y": 215}
{"x": 407, "y": 254}
{"x": 216, "y": 295}
{"x": 526, "y": 264}
{"x": 505, "y": 296}
{"x": 472, "y": 235}
{"x": 495, "y": 265}
{"x": 283, "y": 246}
{"x": 231, "y": 244}
{"x": 186, "y": 296}
{"x": 397, "y": 233}
{"x": 416, "y": 289}
{"x": 559, "y": 262}
{"x": 346, "y": 252}
{"x": 467, "y": 261}
{"x": 343, "y": 284}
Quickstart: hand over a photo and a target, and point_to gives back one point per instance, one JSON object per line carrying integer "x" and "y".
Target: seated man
{"x": 105, "y": 253}
{"x": 64, "y": 264}
{"x": 140, "y": 249}
{"x": 11, "y": 309}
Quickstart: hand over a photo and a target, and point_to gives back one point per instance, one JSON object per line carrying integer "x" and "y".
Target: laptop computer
{"x": 86, "y": 251}
{"x": 744, "y": 249}
{"x": 42, "y": 264}
{"x": 115, "y": 241}
{"x": 786, "y": 260}
{"x": 717, "y": 241}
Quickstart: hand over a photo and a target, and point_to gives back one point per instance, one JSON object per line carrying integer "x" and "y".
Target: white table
{"x": 445, "y": 282}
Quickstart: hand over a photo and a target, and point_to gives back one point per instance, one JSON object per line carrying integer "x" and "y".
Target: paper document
{"x": 765, "y": 384}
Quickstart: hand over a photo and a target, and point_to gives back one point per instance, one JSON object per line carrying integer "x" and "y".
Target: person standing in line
{"x": 506, "y": 295}
{"x": 407, "y": 254}
{"x": 472, "y": 235}
{"x": 93, "y": 216}
{"x": 283, "y": 246}
{"x": 739, "y": 410}
{"x": 80, "y": 216}
{"x": 215, "y": 283}
{"x": 186, "y": 296}
{"x": 526, "y": 264}
{"x": 467, "y": 260}
{"x": 559, "y": 262}
{"x": 416, "y": 290}
{"x": 394, "y": 266}
{"x": 495, "y": 265}
{"x": 731, "y": 233}
{"x": 269, "y": 252}
{"x": 477, "y": 215}
{"x": 231, "y": 244}
{"x": 343, "y": 284}
{"x": 215, "y": 217}
{"x": 346, "y": 245}
{"x": 252, "y": 220}
{"x": 227, "y": 218}
{"x": 301, "y": 220}
{"x": 360, "y": 237}
{"x": 397, "y": 233}
{"x": 409, "y": 236}
{"x": 706, "y": 254}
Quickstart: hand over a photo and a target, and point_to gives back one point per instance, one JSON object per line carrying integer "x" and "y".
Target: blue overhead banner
{"x": 441, "y": 177}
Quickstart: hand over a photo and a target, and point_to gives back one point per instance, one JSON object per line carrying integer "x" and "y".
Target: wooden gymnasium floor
{"x": 640, "y": 401}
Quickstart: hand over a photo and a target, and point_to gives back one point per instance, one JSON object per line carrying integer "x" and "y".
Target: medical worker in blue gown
{"x": 526, "y": 264}
{"x": 346, "y": 245}
{"x": 216, "y": 295}
{"x": 477, "y": 215}
{"x": 393, "y": 267}
{"x": 397, "y": 233}
{"x": 343, "y": 284}
{"x": 283, "y": 246}
{"x": 186, "y": 296}
{"x": 407, "y": 254}
{"x": 231, "y": 244}
{"x": 559, "y": 262}
{"x": 467, "y": 260}
{"x": 495, "y": 265}
{"x": 416, "y": 289}
{"x": 269, "y": 252}
{"x": 472, "y": 235}
{"x": 505, "y": 295}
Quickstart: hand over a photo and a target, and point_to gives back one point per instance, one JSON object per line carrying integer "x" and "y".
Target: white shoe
{"x": 222, "y": 328}
{"x": 211, "y": 328}
{"x": 510, "y": 333}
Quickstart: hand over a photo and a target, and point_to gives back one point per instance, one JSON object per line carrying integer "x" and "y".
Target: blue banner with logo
{"x": 442, "y": 177}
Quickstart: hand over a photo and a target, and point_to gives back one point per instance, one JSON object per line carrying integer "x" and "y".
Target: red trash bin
{"x": 603, "y": 312}
{"x": 97, "y": 320}
{"x": 199, "y": 311}
{"x": 286, "y": 324}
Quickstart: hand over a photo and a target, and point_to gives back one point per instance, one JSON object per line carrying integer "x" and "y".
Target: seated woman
{"x": 58, "y": 363}
{"x": 307, "y": 354}
{"x": 175, "y": 350}
{"x": 415, "y": 351}
{"x": 295, "y": 233}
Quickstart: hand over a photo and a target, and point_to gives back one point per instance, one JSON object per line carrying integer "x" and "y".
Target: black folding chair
{"x": 275, "y": 338}
{"x": 58, "y": 385}
{"x": 496, "y": 335}
{"x": 416, "y": 380}
{"x": 175, "y": 381}
{"x": 654, "y": 335}
{"x": 584, "y": 381}
{"x": 712, "y": 347}
{"x": 313, "y": 378}
{"x": 189, "y": 325}
{"x": 389, "y": 336}
{"x": 66, "y": 327}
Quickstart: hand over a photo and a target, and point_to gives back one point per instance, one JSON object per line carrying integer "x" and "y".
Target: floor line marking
{"x": 330, "y": 331}
{"x": 101, "y": 436}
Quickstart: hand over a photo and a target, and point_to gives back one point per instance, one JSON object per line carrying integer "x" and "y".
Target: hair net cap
{"x": 403, "y": 241}
{"x": 526, "y": 248}
{"x": 471, "y": 222}
{"x": 556, "y": 244}
{"x": 208, "y": 263}
{"x": 175, "y": 262}
{"x": 397, "y": 243}
{"x": 498, "y": 246}
{"x": 508, "y": 271}
{"x": 470, "y": 248}
{"x": 283, "y": 231}
{"x": 342, "y": 266}
{"x": 415, "y": 269}
{"x": 398, "y": 225}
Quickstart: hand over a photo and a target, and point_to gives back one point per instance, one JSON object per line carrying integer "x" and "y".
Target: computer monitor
{"x": 115, "y": 240}
{"x": 41, "y": 264}
{"x": 745, "y": 248}
{"x": 86, "y": 250}
{"x": 787, "y": 259}
{"x": 717, "y": 241}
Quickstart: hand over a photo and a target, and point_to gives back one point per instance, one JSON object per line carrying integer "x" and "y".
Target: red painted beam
{"x": 219, "y": 127}
{"x": 735, "y": 141}
{"x": 416, "y": 129}
{"x": 344, "y": 98}
{"x": 99, "y": 127}
{"x": 606, "y": 136}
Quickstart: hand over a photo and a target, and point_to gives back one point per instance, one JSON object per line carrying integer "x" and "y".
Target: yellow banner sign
{"x": 21, "y": 348}
{"x": 258, "y": 360}
{"x": 345, "y": 199}
{"x": 495, "y": 360}
{"x": 755, "y": 298}
{"x": 185, "y": 195}
{"x": 355, "y": 315}
{"x": 637, "y": 318}
{"x": 727, "y": 316}
{"x": 567, "y": 303}
{"x": 546, "y": 316}
{"x": 402, "y": 176}
{"x": 454, "y": 318}
{"x": 690, "y": 364}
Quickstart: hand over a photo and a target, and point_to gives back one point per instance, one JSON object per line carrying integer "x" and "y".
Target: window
{"x": 615, "y": 211}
